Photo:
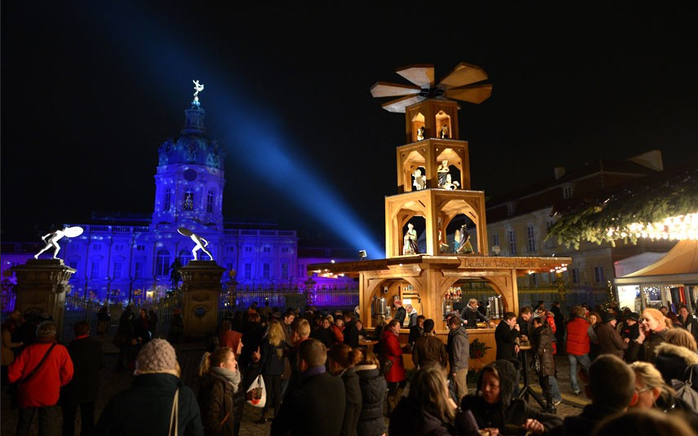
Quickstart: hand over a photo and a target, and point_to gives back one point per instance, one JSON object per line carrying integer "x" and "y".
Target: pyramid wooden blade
{"x": 472, "y": 94}
{"x": 421, "y": 75}
{"x": 400, "y": 104}
{"x": 385, "y": 89}
{"x": 463, "y": 74}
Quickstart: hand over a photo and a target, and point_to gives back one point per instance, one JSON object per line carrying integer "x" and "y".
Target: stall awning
{"x": 678, "y": 266}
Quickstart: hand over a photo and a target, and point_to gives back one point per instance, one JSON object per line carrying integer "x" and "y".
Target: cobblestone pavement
{"x": 189, "y": 355}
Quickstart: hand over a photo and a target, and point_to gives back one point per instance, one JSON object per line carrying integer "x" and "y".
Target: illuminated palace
{"x": 131, "y": 258}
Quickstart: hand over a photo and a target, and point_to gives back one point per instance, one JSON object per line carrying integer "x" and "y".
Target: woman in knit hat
{"x": 156, "y": 392}
{"x": 495, "y": 407}
{"x": 220, "y": 381}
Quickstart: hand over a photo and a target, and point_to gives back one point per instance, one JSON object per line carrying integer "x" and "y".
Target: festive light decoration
{"x": 673, "y": 228}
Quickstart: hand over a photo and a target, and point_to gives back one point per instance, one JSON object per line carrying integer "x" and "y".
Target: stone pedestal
{"x": 201, "y": 289}
{"x": 42, "y": 286}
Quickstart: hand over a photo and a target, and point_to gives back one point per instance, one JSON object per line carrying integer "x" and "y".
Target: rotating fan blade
{"x": 385, "y": 89}
{"x": 463, "y": 74}
{"x": 472, "y": 94}
{"x": 400, "y": 104}
{"x": 421, "y": 75}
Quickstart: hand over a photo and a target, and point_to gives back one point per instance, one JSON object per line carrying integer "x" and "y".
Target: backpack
{"x": 685, "y": 390}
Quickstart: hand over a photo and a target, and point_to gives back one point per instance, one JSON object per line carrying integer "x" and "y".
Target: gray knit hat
{"x": 156, "y": 356}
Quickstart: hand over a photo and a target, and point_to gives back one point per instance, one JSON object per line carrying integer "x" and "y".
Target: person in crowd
{"x": 610, "y": 341}
{"x": 351, "y": 333}
{"x": 363, "y": 334}
{"x": 505, "y": 337}
{"x": 542, "y": 343}
{"x": 230, "y": 338}
{"x": 687, "y": 321}
{"x": 524, "y": 322}
{"x": 300, "y": 332}
{"x": 39, "y": 371}
{"x": 411, "y": 316}
{"x": 559, "y": 323}
{"x": 677, "y": 356}
{"x": 342, "y": 360}
{"x": 338, "y": 329}
{"x": 643, "y": 422}
{"x": 611, "y": 389}
{"x": 672, "y": 317}
{"x": 429, "y": 348}
{"x": 288, "y": 318}
{"x": 594, "y": 323}
{"x": 653, "y": 392}
{"x": 271, "y": 367}
{"x": 373, "y": 394}
{"x": 379, "y": 326}
{"x": 176, "y": 330}
{"x": 397, "y": 376}
{"x": 7, "y": 354}
{"x": 495, "y": 408}
{"x": 316, "y": 406}
{"x": 577, "y": 345}
{"x": 416, "y": 330}
{"x": 141, "y": 327}
{"x": 103, "y": 320}
{"x": 248, "y": 359}
{"x": 146, "y": 407}
{"x": 630, "y": 330}
{"x": 400, "y": 312}
{"x": 654, "y": 327}
{"x": 458, "y": 347}
{"x": 152, "y": 322}
{"x": 88, "y": 361}
{"x": 324, "y": 334}
{"x": 428, "y": 408}
{"x": 219, "y": 383}
{"x": 471, "y": 315}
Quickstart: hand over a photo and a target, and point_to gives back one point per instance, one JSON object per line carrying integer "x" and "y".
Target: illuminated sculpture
{"x": 51, "y": 239}
{"x": 410, "y": 240}
{"x": 443, "y": 171}
{"x": 198, "y": 87}
{"x": 462, "y": 237}
{"x": 444, "y": 132}
{"x": 449, "y": 184}
{"x": 200, "y": 242}
{"x": 420, "y": 181}
{"x": 420, "y": 133}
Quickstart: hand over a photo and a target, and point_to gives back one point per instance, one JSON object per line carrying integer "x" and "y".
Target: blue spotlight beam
{"x": 145, "y": 41}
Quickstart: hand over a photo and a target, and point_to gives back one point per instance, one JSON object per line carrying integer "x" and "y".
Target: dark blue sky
{"x": 89, "y": 92}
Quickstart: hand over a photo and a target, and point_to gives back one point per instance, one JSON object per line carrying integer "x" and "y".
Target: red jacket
{"x": 578, "y": 336}
{"x": 393, "y": 351}
{"x": 43, "y": 388}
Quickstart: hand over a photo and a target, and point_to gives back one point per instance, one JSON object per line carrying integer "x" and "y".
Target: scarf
{"x": 232, "y": 377}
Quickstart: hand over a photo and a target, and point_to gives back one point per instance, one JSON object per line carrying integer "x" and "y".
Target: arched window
{"x": 209, "y": 200}
{"x": 188, "y": 201}
{"x": 168, "y": 199}
{"x": 162, "y": 263}
{"x": 184, "y": 257}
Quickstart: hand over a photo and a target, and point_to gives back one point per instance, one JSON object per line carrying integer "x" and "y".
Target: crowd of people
{"x": 325, "y": 374}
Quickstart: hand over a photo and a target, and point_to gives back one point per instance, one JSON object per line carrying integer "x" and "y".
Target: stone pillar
{"x": 42, "y": 286}
{"x": 201, "y": 289}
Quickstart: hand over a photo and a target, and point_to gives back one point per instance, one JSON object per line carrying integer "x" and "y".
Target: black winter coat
{"x": 409, "y": 418}
{"x": 373, "y": 391}
{"x": 542, "y": 341}
{"x": 352, "y": 410}
{"x": 216, "y": 404}
{"x": 505, "y": 338}
{"x": 88, "y": 360}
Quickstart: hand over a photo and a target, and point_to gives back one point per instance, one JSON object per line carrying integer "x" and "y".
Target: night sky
{"x": 90, "y": 91}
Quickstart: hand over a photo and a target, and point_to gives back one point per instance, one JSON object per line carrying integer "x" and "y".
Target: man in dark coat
{"x": 429, "y": 348}
{"x": 505, "y": 336}
{"x": 88, "y": 360}
{"x": 611, "y": 387}
{"x": 400, "y": 312}
{"x": 458, "y": 347}
{"x": 351, "y": 332}
{"x": 610, "y": 340}
{"x": 316, "y": 407}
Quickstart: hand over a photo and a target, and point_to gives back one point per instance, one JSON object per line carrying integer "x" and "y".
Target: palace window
{"x": 162, "y": 263}
{"x": 530, "y": 239}
{"x": 511, "y": 237}
{"x": 248, "y": 271}
{"x": 209, "y": 200}
{"x": 598, "y": 274}
{"x": 168, "y": 199}
{"x": 188, "y": 201}
{"x": 284, "y": 270}
{"x": 266, "y": 270}
{"x": 117, "y": 270}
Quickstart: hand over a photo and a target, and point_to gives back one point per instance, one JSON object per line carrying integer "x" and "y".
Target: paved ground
{"x": 189, "y": 356}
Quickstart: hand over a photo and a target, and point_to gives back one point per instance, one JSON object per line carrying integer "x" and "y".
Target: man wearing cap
{"x": 145, "y": 408}
{"x": 610, "y": 341}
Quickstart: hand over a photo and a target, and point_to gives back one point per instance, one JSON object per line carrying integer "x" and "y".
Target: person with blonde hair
{"x": 677, "y": 357}
{"x": 428, "y": 408}
{"x": 220, "y": 381}
{"x": 271, "y": 366}
{"x": 642, "y": 422}
{"x": 342, "y": 360}
{"x": 654, "y": 393}
{"x": 373, "y": 393}
{"x": 654, "y": 327}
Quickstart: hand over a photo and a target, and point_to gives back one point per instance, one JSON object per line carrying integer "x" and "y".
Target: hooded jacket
{"x": 458, "y": 349}
{"x": 373, "y": 392}
{"x": 672, "y": 361}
